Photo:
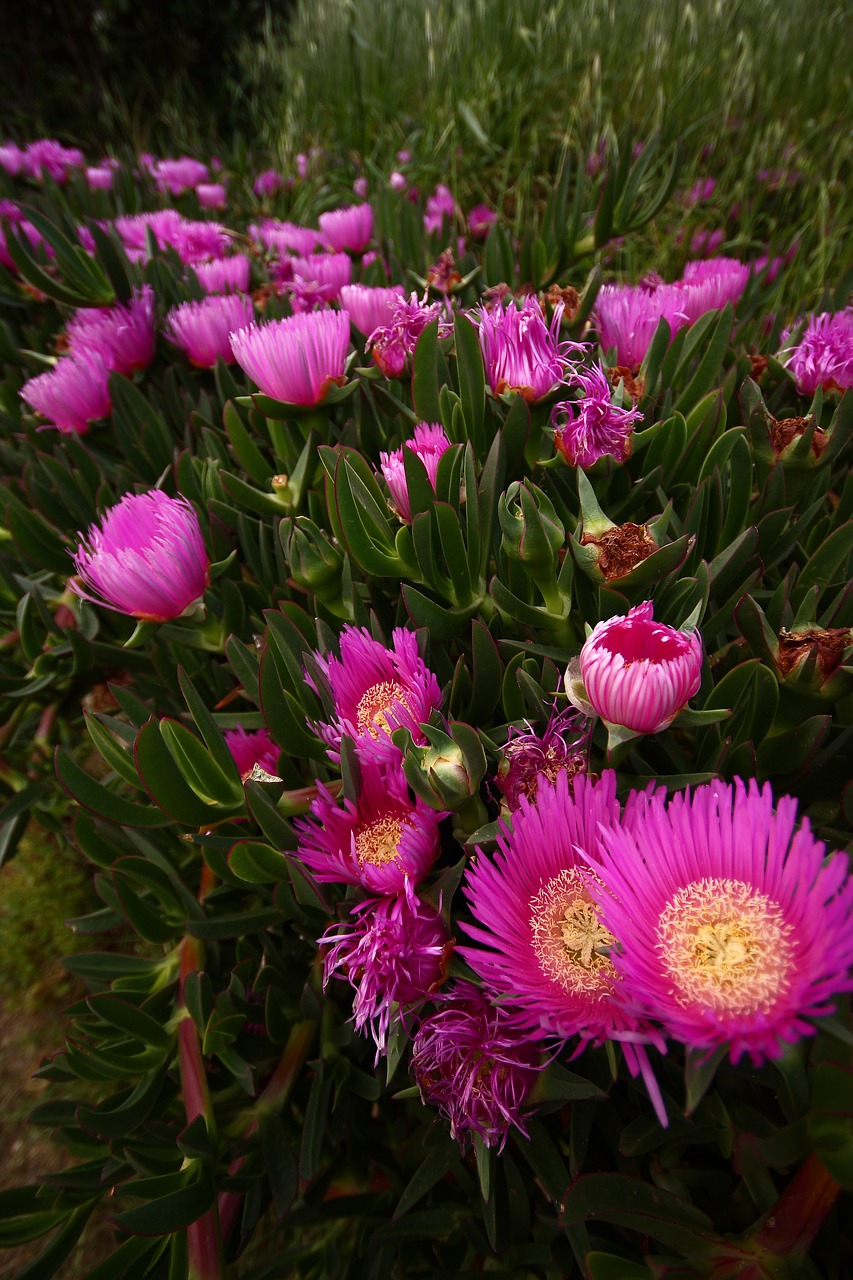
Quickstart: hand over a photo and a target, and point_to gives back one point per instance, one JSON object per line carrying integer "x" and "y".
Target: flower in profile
{"x": 439, "y": 205}
{"x": 122, "y": 335}
{"x": 702, "y": 189}
{"x": 394, "y": 952}
{"x": 823, "y": 357}
{"x": 733, "y": 928}
{"x": 710, "y": 284}
{"x": 627, "y": 317}
{"x": 225, "y": 275}
{"x": 73, "y": 393}
{"x": 195, "y": 241}
{"x": 212, "y": 195}
{"x": 541, "y": 947}
{"x": 592, "y": 426}
{"x": 12, "y": 159}
{"x": 146, "y": 558}
{"x": 428, "y": 443}
{"x": 376, "y": 690}
{"x": 397, "y": 181}
{"x": 391, "y": 344}
{"x": 639, "y": 673}
{"x": 47, "y": 156}
{"x": 250, "y": 748}
{"x": 267, "y": 184}
{"x": 381, "y": 841}
{"x": 203, "y": 329}
{"x": 703, "y": 242}
{"x": 13, "y": 215}
{"x": 285, "y": 237}
{"x": 348, "y": 230}
{"x": 520, "y": 351}
{"x": 529, "y": 757}
{"x": 178, "y": 176}
{"x": 367, "y": 307}
{"x": 480, "y": 219}
{"x": 100, "y": 177}
{"x": 296, "y": 359}
{"x": 473, "y": 1066}
{"x": 321, "y": 276}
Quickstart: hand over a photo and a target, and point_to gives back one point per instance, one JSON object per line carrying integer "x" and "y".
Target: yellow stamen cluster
{"x": 378, "y": 842}
{"x": 570, "y": 942}
{"x": 376, "y": 704}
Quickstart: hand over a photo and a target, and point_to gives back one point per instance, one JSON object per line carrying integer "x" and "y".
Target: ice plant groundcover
{"x": 441, "y": 651}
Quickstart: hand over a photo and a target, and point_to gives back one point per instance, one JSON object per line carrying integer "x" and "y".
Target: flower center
{"x": 380, "y": 701}
{"x": 726, "y": 946}
{"x": 379, "y": 842}
{"x": 569, "y": 940}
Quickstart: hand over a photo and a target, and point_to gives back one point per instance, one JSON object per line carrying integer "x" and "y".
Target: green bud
{"x": 532, "y": 531}
{"x": 315, "y": 563}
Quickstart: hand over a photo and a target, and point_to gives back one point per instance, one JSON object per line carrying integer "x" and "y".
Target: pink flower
{"x": 380, "y": 842}
{"x": 123, "y": 336}
{"x": 521, "y": 352}
{"x": 480, "y": 218}
{"x": 823, "y": 357}
{"x": 706, "y": 242}
{"x": 22, "y": 227}
{"x": 733, "y": 929}
{"x": 211, "y": 195}
{"x": 701, "y": 190}
{"x": 203, "y": 329}
{"x": 361, "y": 187}
{"x": 295, "y": 360}
{"x": 428, "y": 443}
{"x": 627, "y": 317}
{"x": 225, "y": 275}
{"x": 251, "y": 748}
{"x": 197, "y": 241}
{"x": 367, "y": 307}
{"x": 375, "y": 691}
{"x": 47, "y": 156}
{"x": 325, "y": 274}
{"x": 302, "y": 164}
{"x": 589, "y": 428}
{"x": 709, "y": 284}
{"x": 12, "y": 158}
{"x": 267, "y": 184}
{"x": 73, "y": 393}
{"x": 100, "y": 177}
{"x": 439, "y": 206}
{"x": 473, "y": 1066}
{"x": 178, "y": 176}
{"x": 391, "y": 344}
{"x": 348, "y": 229}
{"x": 639, "y": 673}
{"x": 285, "y": 237}
{"x": 147, "y": 557}
{"x": 529, "y": 758}
{"x": 393, "y": 951}
{"x": 397, "y": 181}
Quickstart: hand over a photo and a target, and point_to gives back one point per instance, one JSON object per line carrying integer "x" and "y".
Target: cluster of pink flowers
{"x": 177, "y": 176}
{"x": 429, "y": 443}
{"x": 392, "y": 344}
{"x": 43, "y": 158}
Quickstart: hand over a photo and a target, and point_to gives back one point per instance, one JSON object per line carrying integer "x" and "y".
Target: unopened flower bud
{"x": 315, "y": 563}
{"x": 533, "y": 533}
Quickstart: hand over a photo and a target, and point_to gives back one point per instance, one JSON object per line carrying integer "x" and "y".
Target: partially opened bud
{"x": 810, "y": 661}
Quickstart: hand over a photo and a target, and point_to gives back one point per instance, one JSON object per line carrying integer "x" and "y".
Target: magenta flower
{"x": 380, "y": 842}
{"x": 428, "y": 443}
{"x": 541, "y": 949}
{"x": 520, "y": 351}
{"x": 123, "y": 336}
{"x": 178, "y": 176}
{"x": 72, "y": 394}
{"x": 361, "y": 187}
{"x": 391, "y": 344}
{"x": 225, "y": 275}
{"x": 639, "y": 673}
{"x": 297, "y": 359}
{"x": 348, "y": 230}
{"x": 393, "y": 951}
{"x": 22, "y": 227}
{"x": 47, "y": 156}
{"x": 203, "y": 329}
{"x": 397, "y": 181}
{"x": 367, "y": 307}
{"x": 528, "y": 758}
{"x": 267, "y": 184}
{"x": 588, "y": 428}
{"x": 198, "y": 241}
{"x": 702, "y": 190}
{"x": 12, "y": 158}
{"x": 376, "y": 690}
{"x": 709, "y": 284}
{"x": 440, "y": 205}
{"x": 627, "y": 317}
{"x": 480, "y": 219}
{"x": 285, "y": 237}
{"x": 733, "y": 929}
{"x": 211, "y": 195}
{"x": 823, "y": 357}
{"x": 147, "y": 557}
{"x": 251, "y": 748}
{"x": 100, "y": 177}
{"x": 704, "y": 243}
{"x": 323, "y": 275}
{"x": 473, "y": 1066}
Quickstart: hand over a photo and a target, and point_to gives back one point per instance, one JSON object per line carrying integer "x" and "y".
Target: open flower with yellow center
{"x": 376, "y": 690}
{"x": 732, "y": 928}
{"x": 380, "y": 842}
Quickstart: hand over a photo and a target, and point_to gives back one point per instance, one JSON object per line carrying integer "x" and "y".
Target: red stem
{"x": 800, "y": 1211}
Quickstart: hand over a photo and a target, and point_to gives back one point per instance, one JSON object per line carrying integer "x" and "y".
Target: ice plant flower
{"x": 376, "y": 690}
{"x": 285, "y": 237}
{"x": 203, "y": 329}
{"x": 146, "y": 558}
{"x": 267, "y": 184}
{"x": 521, "y": 352}
{"x": 391, "y": 344}
{"x": 380, "y": 842}
{"x": 225, "y": 275}
{"x": 178, "y": 176}
{"x": 439, "y": 205}
{"x": 480, "y": 219}
{"x": 393, "y": 951}
{"x": 211, "y": 195}
{"x": 73, "y": 393}
{"x": 529, "y": 757}
{"x": 733, "y": 928}
{"x": 296, "y": 359}
{"x": 348, "y": 230}
{"x": 122, "y": 335}
{"x": 12, "y": 158}
{"x": 47, "y": 156}
{"x": 367, "y": 307}
{"x": 100, "y": 177}
{"x": 473, "y": 1066}
{"x": 324, "y": 274}
{"x": 592, "y": 426}
{"x": 627, "y": 318}
{"x": 639, "y": 673}
{"x": 709, "y": 284}
{"x": 428, "y": 443}
{"x": 250, "y": 748}
{"x": 823, "y": 357}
